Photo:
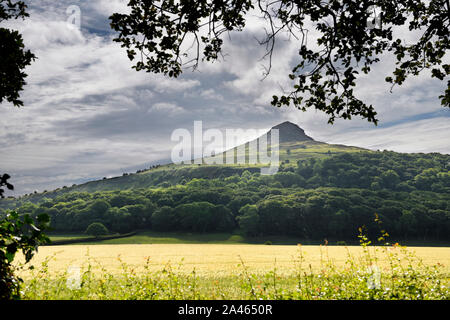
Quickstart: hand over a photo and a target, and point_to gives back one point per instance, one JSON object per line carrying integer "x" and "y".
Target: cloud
{"x": 167, "y": 108}
{"x": 429, "y": 135}
{"x": 211, "y": 94}
{"x": 88, "y": 114}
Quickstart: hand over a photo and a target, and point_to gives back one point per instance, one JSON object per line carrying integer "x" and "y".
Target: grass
{"x": 67, "y": 236}
{"x": 152, "y": 237}
{"x": 298, "y": 151}
{"x": 226, "y": 271}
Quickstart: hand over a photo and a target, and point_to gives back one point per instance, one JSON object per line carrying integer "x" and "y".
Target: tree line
{"x": 315, "y": 199}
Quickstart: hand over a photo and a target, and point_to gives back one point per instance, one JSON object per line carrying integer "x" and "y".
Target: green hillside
{"x": 320, "y": 191}
{"x": 294, "y": 147}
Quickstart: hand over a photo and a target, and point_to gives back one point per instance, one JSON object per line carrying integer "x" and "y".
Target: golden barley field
{"x": 220, "y": 259}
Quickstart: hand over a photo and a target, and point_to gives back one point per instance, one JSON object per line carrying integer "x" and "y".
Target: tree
{"x": 163, "y": 219}
{"x": 288, "y": 179}
{"x": 4, "y": 182}
{"x": 237, "y": 203}
{"x": 158, "y": 35}
{"x": 390, "y": 179}
{"x": 18, "y": 233}
{"x": 426, "y": 178}
{"x": 248, "y": 220}
{"x": 195, "y": 216}
{"x": 98, "y": 208}
{"x": 96, "y": 229}
{"x": 408, "y": 224}
{"x": 119, "y": 219}
{"x": 13, "y": 56}
{"x": 275, "y": 216}
{"x": 222, "y": 219}
{"x": 339, "y": 224}
{"x": 141, "y": 214}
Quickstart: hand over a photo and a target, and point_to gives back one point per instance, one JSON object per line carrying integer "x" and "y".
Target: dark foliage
{"x": 13, "y": 56}
{"x": 18, "y": 233}
{"x": 4, "y": 182}
{"x": 349, "y": 42}
{"x": 96, "y": 229}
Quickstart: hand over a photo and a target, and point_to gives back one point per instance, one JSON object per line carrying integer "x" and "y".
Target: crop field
{"x": 238, "y": 271}
{"x": 218, "y": 259}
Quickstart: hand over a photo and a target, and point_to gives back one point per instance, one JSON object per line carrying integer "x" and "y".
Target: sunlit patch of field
{"x": 222, "y": 259}
{"x": 60, "y": 237}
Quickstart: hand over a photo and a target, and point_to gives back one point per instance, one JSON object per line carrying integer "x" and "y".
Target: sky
{"x": 87, "y": 114}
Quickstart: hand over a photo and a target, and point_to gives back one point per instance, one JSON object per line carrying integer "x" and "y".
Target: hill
{"x": 320, "y": 191}
{"x": 294, "y": 145}
{"x": 289, "y": 132}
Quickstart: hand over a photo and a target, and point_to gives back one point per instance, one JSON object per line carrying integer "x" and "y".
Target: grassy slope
{"x": 150, "y": 178}
{"x": 67, "y": 236}
{"x": 152, "y": 237}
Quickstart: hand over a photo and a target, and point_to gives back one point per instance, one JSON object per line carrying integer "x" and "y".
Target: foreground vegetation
{"x": 383, "y": 272}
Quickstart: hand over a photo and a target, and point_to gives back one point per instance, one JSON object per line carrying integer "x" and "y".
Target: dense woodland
{"x": 313, "y": 199}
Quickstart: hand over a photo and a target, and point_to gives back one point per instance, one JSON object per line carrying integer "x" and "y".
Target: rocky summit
{"x": 290, "y": 132}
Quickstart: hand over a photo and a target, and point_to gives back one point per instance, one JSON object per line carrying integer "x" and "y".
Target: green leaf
{"x": 10, "y": 256}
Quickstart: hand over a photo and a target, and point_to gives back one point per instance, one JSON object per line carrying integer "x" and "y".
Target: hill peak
{"x": 290, "y": 132}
